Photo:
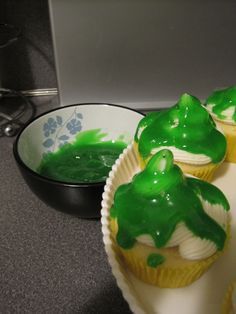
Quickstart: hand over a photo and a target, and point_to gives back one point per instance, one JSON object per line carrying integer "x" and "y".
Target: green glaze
{"x": 158, "y": 198}
{"x": 155, "y": 260}
{"x": 222, "y": 100}
{"x": 208, "y": 192}
{"x": 88, "y": 159}
{"x": 187, "y": 126}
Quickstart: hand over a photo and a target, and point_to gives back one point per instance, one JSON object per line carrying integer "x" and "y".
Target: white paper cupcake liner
{"x": 121, "y": 173}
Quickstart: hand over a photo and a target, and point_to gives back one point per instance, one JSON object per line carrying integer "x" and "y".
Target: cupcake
{"x": 188, "y": 130}
{"x": 229, "y": 304}
{"x": 168, "y": 228}
{"x": 222, "y": 106}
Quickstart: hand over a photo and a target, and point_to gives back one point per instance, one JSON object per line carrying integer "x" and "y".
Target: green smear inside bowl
{"x": 86, "y": 160}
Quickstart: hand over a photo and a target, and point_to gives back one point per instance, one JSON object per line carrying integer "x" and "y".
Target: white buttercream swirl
{"x": 227, "y": 113}
{"x": 190, "y": 246}
{"x": 140, "y": 130}
{"x": 183, "y": 156}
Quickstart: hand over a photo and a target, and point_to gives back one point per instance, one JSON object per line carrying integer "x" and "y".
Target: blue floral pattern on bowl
{"x": 74, "y": 126}
{"x": 49, "y": 127}
{"x": 57, "y": 132}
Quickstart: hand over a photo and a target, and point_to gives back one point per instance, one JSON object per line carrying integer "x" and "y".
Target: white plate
{"x": 204, "y": 296}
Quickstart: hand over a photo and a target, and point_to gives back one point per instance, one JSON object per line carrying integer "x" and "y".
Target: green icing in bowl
{"x": 87, "y": 160}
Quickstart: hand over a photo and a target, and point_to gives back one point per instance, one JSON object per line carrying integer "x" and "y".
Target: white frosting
{"x": 190, "y": 246}
{"x": 186, "y": 157}
{"x": 140, "y": 130}
{"x": 227, "y": 113}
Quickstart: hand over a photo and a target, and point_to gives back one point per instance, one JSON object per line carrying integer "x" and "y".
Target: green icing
{"x": 208, "y": 192}
{"x": 154, "y": 260}
{"x": 158, "y": 198}
{"x": 222, "y": 100}
{"x": 87, "y": 159}
{"x": 187, "y": 126}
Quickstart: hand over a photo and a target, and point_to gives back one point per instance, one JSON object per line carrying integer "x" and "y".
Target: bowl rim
{"x": 50, "y": 180}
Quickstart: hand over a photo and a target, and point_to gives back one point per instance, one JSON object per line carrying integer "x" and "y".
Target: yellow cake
{"x": 222, "y": 106}
{"x": 168, "y": 228}
{"x": 188, "y": 130}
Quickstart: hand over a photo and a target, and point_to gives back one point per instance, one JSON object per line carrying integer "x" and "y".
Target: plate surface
{"x": 204, "y": 296}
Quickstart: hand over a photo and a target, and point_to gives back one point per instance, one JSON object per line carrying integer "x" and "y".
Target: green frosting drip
{"x": 88, "y": 159}
{"x": 222, "y": 100}
{"x": 187, "y": 126}
{"x": 208, "y": 192}
{"x": 155, "y": 260}
{"x": 158, "y": 198}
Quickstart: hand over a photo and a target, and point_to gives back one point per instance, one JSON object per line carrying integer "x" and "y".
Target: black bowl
{"x": 83, "y": 200}
{"x": 80, "y": 199}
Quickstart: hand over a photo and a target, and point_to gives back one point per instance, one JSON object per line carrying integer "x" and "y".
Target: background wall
{"x": 143, "y": 53}
{"x": 28, "y": 63}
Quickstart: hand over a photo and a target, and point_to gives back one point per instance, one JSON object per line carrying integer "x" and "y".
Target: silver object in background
{"x": 14, "y": 105}
{"x": 23, "y": 111}
{"x": 10, "y": 123}
{"x": 145, "y": 53}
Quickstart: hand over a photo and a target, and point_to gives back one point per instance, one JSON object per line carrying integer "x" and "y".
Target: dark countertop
{"x": 50, "y": 262}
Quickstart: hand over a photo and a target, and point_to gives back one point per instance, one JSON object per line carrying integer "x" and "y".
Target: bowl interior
{"x": 50, "y": 131}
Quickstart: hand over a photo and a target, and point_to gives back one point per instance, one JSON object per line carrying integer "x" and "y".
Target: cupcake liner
{"x": 167, "y": 277}
{"x": 231, "y": 151}
{"x": 172, "y": 277}
{"x": 203, "y": 172}
{"x": 230, "y": 134}
{"x": 227, "y": 302}
{"x": 231, "y": 147}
